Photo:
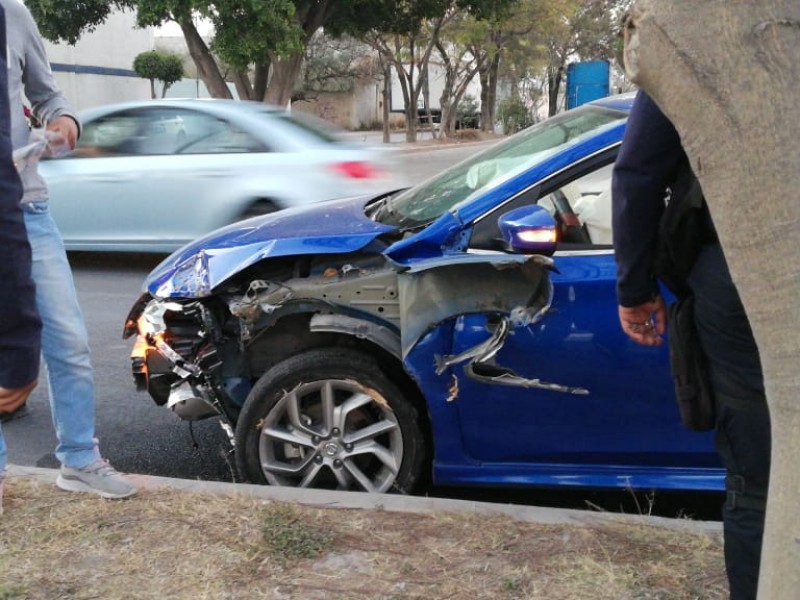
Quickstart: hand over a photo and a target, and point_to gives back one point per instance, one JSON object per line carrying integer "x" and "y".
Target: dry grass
{"x": 176, "y": 544}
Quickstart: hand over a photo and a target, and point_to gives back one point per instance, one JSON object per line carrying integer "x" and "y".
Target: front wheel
{"x": 328, "y": 418}
{"x": 259, "y": 208}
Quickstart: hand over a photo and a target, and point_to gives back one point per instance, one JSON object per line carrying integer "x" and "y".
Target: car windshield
{"x": 429, "y": 200}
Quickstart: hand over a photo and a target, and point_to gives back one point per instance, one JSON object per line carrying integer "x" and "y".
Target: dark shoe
{"x": 17, "y": 413}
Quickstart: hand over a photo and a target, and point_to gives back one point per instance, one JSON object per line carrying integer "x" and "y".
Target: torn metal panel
{"x": 481, "y": 366}
{"x": 370, "y": 290}
{"x": 501, "y": 376}
{"x": 479, "y": 353}
{"x": 504, "y": 284}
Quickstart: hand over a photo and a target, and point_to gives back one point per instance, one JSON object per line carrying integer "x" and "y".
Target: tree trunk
{"x": 243, "y": 86}
{"x": 426, "y": 102}
{"x": 207, "y": 68}
{"x": 387, "y": 98}
{"x": 491, "y": 92}
{"x": 553, "y": 88}
{"x": 260, "y": 79}
{"x": 152, "y": 88}
{"x": 486, "y": 115}
{"x": 285, "y": 71}
{"x": 728, "y": 75}
{"x": 445, "y": 100}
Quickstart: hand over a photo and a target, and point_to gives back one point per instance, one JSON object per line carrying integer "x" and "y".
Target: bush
{"x": 514, "y": 115}
{"x": 166, "y": 67}
{"x": 468, "y": 113}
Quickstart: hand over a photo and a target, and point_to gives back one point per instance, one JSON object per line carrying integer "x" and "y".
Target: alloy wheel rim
{"x": 333, "y": 434}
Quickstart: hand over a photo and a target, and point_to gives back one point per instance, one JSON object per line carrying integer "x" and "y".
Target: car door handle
{"x": 213, "y": 174}
{"x": 114, "y": 178}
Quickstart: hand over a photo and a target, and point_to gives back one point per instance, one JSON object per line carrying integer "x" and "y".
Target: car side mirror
{"x": 529, "y": 230}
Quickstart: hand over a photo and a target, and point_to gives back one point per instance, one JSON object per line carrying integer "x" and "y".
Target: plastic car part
{"x": 329, "y": 418}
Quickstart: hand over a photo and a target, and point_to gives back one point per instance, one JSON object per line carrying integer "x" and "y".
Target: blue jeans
{"x": 65, "y": 343}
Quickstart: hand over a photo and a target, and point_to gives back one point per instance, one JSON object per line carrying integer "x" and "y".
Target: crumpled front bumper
{"x": 174, "y": 370}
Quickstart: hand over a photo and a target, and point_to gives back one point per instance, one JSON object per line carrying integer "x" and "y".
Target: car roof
{"x": 619, "y": 101}
{"x": 211, "y": 104}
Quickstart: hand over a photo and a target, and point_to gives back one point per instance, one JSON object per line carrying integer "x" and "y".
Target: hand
{"x": 646, "y": 323}
{"x": 67, "y": 127}
{"x": 12, "y": 399}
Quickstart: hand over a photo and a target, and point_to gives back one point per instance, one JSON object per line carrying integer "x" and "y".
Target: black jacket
{"x": 649, "y": 161}
{"x": 19, "y": 320}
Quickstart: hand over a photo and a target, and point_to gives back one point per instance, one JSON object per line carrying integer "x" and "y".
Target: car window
{"x": 306, "y": 126}
{"x": 489, "y": 169}
{"x": 588, "y": 199}
{"x": 215, "y": 136}
{"x": 579, "y": 200}
{"x": 162, "y": 130}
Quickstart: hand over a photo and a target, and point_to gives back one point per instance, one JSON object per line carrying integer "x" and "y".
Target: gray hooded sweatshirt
{"x": 29, "y": 76}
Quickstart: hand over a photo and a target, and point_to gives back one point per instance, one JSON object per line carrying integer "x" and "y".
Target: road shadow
{"x": 116, "y": 261}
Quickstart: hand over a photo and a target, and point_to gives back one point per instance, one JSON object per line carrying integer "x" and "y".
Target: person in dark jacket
{"x": 648, "y": 164}
{"x": 20, "y": 327}
{"x": 65, "y": 340}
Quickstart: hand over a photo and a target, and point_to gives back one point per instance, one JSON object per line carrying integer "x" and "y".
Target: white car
{"x": 152, "y": 176}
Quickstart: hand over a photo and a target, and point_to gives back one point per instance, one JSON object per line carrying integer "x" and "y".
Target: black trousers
{"x": 742, "y": 422}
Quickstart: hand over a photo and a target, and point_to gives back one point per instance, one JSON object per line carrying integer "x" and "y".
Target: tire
{"x": 258, "y": 208}
{"x": 375, "y": 445}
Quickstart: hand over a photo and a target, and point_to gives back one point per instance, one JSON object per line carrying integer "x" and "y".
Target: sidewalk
{"x": 392, "y": 502}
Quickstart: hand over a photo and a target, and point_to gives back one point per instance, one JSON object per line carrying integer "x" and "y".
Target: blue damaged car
{"x": 462, "y": 331}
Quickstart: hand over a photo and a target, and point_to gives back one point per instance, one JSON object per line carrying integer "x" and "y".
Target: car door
{"x": 569, "y": 392}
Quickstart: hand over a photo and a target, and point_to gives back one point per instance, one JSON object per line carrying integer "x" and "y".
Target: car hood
{"x": 332, "y": 227}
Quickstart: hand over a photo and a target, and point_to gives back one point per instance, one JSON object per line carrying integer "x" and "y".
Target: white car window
{"x": 163, "y": 130}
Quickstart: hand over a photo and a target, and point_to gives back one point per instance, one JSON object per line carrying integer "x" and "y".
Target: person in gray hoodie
{"x": 65, "y": 342}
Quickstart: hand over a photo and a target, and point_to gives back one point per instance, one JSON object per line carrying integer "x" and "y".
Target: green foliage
{"x": 511, "y": 583}
{"x": 166, "y": 67}
{"x": 67, "y": 20}
{"x": 467, "y": 107}
{"x": 11, "y": 592}
{"x": 246, "y": 31}
{"x": 514, "y": 115}
{"x": 333, "y": 65}
{"x": 359, "y": 17}
{"x": 287, "y": 536}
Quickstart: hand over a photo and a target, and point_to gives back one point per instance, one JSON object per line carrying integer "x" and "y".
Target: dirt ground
{"x": 168, "y": 544}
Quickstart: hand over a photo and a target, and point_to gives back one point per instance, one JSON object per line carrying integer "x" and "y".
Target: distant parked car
{"x": 374, "y": 343}
{"x": 152, "y": 176}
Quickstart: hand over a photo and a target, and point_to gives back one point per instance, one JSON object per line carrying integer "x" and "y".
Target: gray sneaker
{"x": 98, "y": 478}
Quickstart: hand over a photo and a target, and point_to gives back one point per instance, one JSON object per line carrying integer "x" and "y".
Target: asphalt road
{"x": 139, "y": 437}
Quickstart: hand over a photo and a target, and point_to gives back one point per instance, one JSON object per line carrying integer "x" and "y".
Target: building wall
{"x": 99, "y": 68}
{"x": 356, "y": 109}
{"x": 436, "y": 76}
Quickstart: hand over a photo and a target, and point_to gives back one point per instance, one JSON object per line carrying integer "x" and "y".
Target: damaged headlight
{"x": 190, "y": 279}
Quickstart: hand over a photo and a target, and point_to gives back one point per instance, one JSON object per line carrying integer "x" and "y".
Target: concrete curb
{"x": 392, "y": 502}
